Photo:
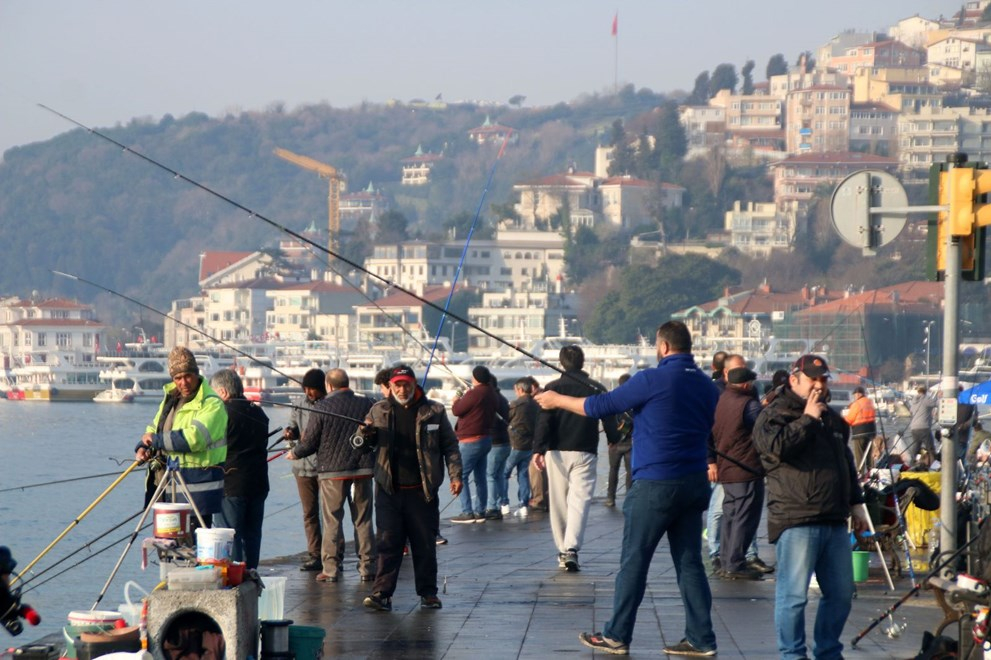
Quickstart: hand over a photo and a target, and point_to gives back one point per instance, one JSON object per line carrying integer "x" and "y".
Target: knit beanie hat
{"x": 181, "y": 361}
{"x": 315, "y": 379}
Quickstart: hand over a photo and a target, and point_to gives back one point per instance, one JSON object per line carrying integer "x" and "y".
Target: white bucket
{"x": 94, "y": 618}
{"x": 214, "y": 545}
{"x": 272, "y": 602}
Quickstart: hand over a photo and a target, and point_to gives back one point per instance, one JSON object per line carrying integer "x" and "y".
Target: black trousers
{"x": 401, "y": 517}
{"x": 619, "y": 453}
{"x": 742, "y": 504}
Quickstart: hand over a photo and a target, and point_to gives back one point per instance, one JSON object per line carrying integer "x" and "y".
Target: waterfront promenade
{"x": 505, "y": 597}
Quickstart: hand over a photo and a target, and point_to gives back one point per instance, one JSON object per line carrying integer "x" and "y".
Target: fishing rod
{"x": 76, "y": 520}
{"x": 60, "y": 481}
{"x": 303, "y": 239}
{"x": 461, "y": 262}
{"x": 172, "y": 318}
{"x": 35, "y": 576}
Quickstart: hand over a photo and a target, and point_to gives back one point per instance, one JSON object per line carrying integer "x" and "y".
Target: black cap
{"x": 859, "y": 390}
{"x": 315, "y": 379}
{"x": 402, "y": 373}
{"x": 812, "y": 366}
{"x": 740, "y": 375}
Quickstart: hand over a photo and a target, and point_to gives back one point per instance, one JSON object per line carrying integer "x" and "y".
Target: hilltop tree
{"x": 622, "y": 156}
{"x": 776, "y": 66}
{"x": 392, "y": 227}
{"x": 647, "y": 296}
{"x": 748, "y": 77}
{"x": 670, "y": 145}
{"x": 723, "y": 77}
{"x": 810, "y": 61}
{"x": 517, "y": 100}
{"x": 700, "y": 93}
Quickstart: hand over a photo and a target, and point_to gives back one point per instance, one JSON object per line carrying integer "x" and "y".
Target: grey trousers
{"x": 357, "y": 493}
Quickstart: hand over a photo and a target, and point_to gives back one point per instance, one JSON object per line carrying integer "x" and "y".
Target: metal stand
{"x": 877, "y": 547}
{"x": 171, "y": 478}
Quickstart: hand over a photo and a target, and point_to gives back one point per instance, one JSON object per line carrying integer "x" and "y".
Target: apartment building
{"x": 520, "y": 317}
{"x": 913, "y": 31}
{"x": 492, "y": 133}
{"x": 705, "y": 128}
{"x": 312, "y": 310}
{"x": 796, "y": 178}
{"x": 957, "y": 53}
{"x": 876, "y": 54}
{"x": 817, "y": 119}
{"x": 930, "y": 136}
{"x": 873, "y": 128}
{"x": 362, "y": 205}
{"x": 416, "y": 169}
{"x": 758, "y": 228}
{"x": 907, "y": 89}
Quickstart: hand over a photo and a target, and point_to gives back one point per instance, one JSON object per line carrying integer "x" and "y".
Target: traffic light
{"x": 964, "y": 190}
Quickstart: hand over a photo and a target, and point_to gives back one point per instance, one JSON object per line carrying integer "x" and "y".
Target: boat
{"x": 141, "y": 373}
{"x": 114, "y": 395}
{"x": 62, "y": 374}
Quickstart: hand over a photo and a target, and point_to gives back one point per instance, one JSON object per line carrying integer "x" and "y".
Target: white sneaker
{"x": 522, "y": 512}
{"x": 504, "y": 509}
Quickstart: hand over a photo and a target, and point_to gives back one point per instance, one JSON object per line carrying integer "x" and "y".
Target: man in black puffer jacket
{"x": 812, "y": 490}
{"x": 345, "y": 475}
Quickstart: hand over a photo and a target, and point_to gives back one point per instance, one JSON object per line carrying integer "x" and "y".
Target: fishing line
{"x": 182, "y": 323}
{"x": 63, "y": 481}
{"x": 461, "y": 262}
{"x": 303, "y": 239}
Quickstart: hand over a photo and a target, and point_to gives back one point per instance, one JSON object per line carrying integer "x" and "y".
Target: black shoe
{"x": 717, "y": 565}
{"x": 600, "y": 642}
{"x": 440, "y": 540}
{"x": 744, "y": 573}
{"x": 311, "y": 565}
{"x": 430, "y": 602}
{"x": 684, "y": 647}
{"x": 571, "y": 561}
{"x": 610, "y": 502}
{"x": 463, "y": 518}
{"x": 378, "y": 602}
{"x": 493, "y": 514}
{"x": 758, "y": 565}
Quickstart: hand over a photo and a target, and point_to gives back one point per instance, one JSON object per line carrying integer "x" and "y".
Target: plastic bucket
{"x": 130, "y": 610}
{"x": 171, "y": 519}
{"x": 272, "y": 602}
{"x": 306, "y": 642}
{"x": 861, "y": 564}
{"x": 214, "y": 545}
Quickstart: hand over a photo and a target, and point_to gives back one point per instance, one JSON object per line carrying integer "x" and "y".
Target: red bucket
{"x": 172, "y": 519}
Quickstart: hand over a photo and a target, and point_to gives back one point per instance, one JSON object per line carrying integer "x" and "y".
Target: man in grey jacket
{"x": 345, "y": 475}
{"x": 921, "y": 426}
{"x": 305, "y": 471}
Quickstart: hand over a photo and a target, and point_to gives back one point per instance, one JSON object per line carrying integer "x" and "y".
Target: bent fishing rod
{"x": 307, "y": 241}
{"x": 175, "y": 320}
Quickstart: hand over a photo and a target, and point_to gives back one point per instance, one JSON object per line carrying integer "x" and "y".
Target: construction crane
{"x": 333, "y": 195}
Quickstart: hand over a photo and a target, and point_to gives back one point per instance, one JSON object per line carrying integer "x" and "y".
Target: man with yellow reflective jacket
{"x": 191, "y": 426}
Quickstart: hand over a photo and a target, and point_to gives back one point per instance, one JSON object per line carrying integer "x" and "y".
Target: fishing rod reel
{"x": 365, "y": 438}
{"x": 12, "y": 610}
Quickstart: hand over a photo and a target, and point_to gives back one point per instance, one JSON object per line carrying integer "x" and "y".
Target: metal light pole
{"x": 929, "y": 325}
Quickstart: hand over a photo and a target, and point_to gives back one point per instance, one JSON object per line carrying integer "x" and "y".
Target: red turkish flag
{"x": 615, "y": 24}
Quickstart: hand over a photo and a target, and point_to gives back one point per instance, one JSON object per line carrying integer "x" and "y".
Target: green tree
{"x": 623, "y": 159}
{"x": 723, "y": 77}
{"x": 748, "y": 78}
{"x": 700, "y": 92}
{"x": 671, "y": 144}
{"x": 776, "y": 66}
{"x": 517, "y": 100}
{"x": 391, "y": 227}
{"x": 647, "y": 296}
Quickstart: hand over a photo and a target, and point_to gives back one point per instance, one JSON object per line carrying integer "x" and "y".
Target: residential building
{"x": 907, "y": 89}
{"x": 362, "y": 205}
{"x": 376, "y": 323}
{"x": 32, "y": 331}
{"x": 799, "y": 78}
{"x": 761, "y": 227}
{"x": 492, "y": 133}
{"x": 752, "y": 121}
{"x": 839, "y": 45}
{"x": 518, "y": 259}
{"x": 957, "y": 53}
{"x": 519, "y": 317}
{"x": 876, "y": 54}
{"x": 416, "y": 169}
{"x": 705, "y": 128}
{"x": 873, "y": 128}
{"x": 312, "y": 310}
{"x": 817, "y": 119}
{"x": 930, "y": 137}
{"x": 912, "y": 31}
{"x": 796, "y": 178}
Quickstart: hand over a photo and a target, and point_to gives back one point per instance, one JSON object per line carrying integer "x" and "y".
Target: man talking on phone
{"x": 812, "y": 490}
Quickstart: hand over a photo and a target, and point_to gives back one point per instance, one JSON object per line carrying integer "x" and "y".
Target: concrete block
{"x": 235, "y": 611}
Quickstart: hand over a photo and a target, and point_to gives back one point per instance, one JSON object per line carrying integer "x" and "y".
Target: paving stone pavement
{"x": 505, "y": 597}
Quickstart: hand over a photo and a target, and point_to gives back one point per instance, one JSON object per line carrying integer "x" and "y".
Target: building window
{"x": 63, "y": 339}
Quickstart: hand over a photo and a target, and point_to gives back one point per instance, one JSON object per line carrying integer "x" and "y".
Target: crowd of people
{"x": 690, "y": 442}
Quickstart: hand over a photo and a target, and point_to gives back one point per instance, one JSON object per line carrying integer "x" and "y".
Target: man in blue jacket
{"x": 673, "y": 407}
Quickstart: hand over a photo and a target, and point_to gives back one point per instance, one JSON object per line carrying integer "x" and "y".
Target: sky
{"x": 104, "y": 62}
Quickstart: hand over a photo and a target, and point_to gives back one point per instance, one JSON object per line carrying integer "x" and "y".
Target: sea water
{"x": 42, "y": 442}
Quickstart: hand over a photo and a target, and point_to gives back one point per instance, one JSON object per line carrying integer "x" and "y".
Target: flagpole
{"x": 615, "y": 35}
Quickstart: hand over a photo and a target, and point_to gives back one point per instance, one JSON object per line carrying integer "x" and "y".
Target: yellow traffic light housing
{"x": 967, "y": 211}
{"x": 962, "y": 190}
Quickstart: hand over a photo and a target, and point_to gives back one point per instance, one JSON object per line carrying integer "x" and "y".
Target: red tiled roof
{"x": 403, "y": 299}
{"x": 59, "y": 322}
{"x": 218, "y": 260}
{"x": 926, "y": 295}
{"x": 321, "y": 286}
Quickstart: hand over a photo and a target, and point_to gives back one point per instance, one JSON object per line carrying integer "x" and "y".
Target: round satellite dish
{"x": 858, "y": 205}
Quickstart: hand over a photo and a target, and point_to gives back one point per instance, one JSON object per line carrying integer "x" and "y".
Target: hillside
{"x": 78, "y": 204}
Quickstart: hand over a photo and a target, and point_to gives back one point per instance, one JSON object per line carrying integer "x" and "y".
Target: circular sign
{"x": 851, "y": 204}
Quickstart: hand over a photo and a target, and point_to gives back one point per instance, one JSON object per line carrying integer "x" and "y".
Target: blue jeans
{"x": 244, "y": 515}
{"x": 651, "y": 510}
{"x": 825, "y": 550}
{"x": 473, "y": 455}
{"x": 498, "y": 481}
{"x": 519, "y": 460}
